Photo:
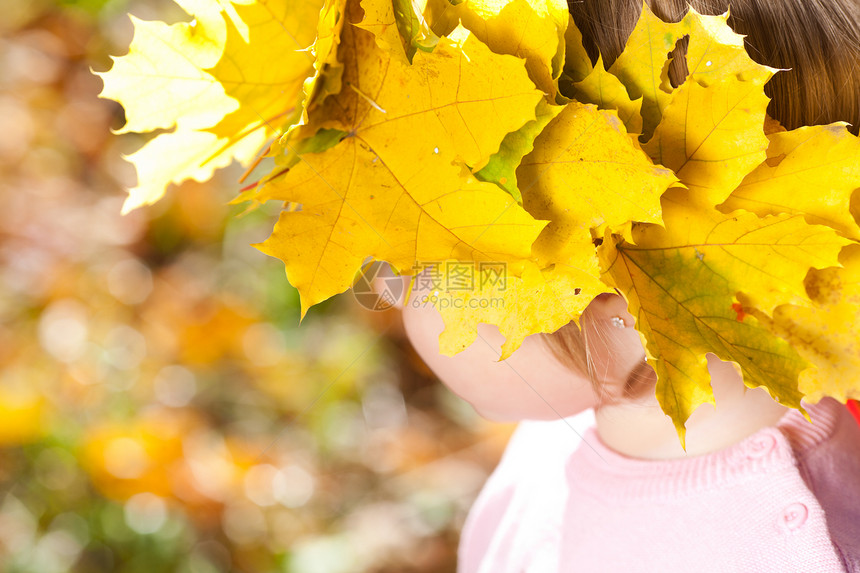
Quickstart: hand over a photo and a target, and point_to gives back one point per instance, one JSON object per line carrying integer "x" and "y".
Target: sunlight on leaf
{"x": 812, "y": 171}
{"x": 397, "y": 200}
{"x": 607, "y": 92}
{"x": 642, "y": 64}
{"x": 213, "y": 82}
{"x": 682, "y": 283}
{"x": 711, "y": 137}
{"x": 568, "y": 180}
{"x": 531, "y": 29}
{"x": 827, "y": 335}
{"x": 538, "y": 301}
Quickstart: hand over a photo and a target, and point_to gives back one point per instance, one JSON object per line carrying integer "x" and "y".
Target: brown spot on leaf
{"x": 774, "y": 161}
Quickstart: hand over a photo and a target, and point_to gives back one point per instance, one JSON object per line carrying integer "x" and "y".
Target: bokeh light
{"x": 161, "y": 408}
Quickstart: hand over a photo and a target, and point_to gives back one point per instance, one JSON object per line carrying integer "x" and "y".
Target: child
{"x": 758, "y": 488}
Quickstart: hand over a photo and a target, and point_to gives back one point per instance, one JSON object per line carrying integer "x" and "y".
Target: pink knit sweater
{"x": 785, "y": 499}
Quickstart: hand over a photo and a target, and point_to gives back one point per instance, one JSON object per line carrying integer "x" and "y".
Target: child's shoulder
{"x": 786, "y": 498}
{"x": 832, "y": 426}
{"x": 515, "y": 523}
{"x": 827, "y": 452}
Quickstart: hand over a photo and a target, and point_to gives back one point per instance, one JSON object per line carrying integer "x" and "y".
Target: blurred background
{"x": 161, "y": 408}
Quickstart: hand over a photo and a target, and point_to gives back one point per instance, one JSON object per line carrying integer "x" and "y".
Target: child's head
{"x": 818, "y": 41}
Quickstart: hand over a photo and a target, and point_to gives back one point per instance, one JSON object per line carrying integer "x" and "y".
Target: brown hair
{"x": 818, "y": 40}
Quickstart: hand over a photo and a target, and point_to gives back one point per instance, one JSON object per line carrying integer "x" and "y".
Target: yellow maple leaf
{"x": 162, "y": 82}
{"x": 813, "y": 171}
{"x": 269, "y": 95}
{"x": 180, "y": 155}
{"x": 405, "y": 137}
{"x": 577, "y": 64}
{"x": 404, "y": 26}
{"x": 212, "y": 81}
{"x": 328, "y": 70}
{"x": 400, "y": 199}
{"x": 531, "y": 29}
{"x": 441, "y": 15}
{"x": 604, "y": 89}
{"x": 449, "y": 109}
{"x": 568, "y": 180}
{"x": 682, "y": 283}
{"x": 713, "y": 136}
{"x": 826, "y": 335}
{"x": 641, "y": 66}
{"x": 537, "y": 301}
{"x": 709, "y": 151}
{"x": 716, "y": 51}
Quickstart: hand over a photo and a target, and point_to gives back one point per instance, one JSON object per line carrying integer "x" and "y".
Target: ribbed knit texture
{"x": 785, "y": 499}
{"x": 747, "y": 507}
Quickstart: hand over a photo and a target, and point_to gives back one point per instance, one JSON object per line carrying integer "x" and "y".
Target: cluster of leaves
{"x": 159, "y": 411}
{"x": 481, "y": 131}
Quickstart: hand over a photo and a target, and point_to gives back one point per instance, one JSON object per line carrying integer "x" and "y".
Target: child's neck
{"x": 642, "y": 430}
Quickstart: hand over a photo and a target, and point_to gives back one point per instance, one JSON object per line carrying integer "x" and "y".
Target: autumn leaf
{"x": 323, "y": 248}
{"x": 715, "y": 51}
{"x": 812, "y": 171}
{"x": 531, "y": 29}
{"x": 171, "y": 158}
{"x": 826, "y": 335}
{"x": 682, "y": 282}
{"x": 567, "y": 180}
{"x": 480, "y": 132}
{"x": 540, "y": 300}
{"x": 712, "y": 137}
{"x": 269, "y": 95}
{"x": 161, "y": 82}
{"x": 502, "y": 166}
{"x": 604, "y": 89}
{"x": 401, "y": 26}
{"x": 213, "y": 82}
{"x": 643, "y": 64}
{"x": 397, "y": 199}
{"x": 441, "y": 16}
{"x": 445, "y": 96}
{"x": 328, "y": 70}
{"x": 710, "y": 131}
{"x": 577, "y": 64}
{"x": 393, "y": 32}
{"x": 586, "y": 172}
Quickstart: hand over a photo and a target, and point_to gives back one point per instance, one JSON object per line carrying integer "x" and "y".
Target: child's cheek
{"x": 527, "y": 395}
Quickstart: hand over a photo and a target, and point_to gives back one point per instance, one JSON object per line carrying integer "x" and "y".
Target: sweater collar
{"x": 602, "y": 471}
